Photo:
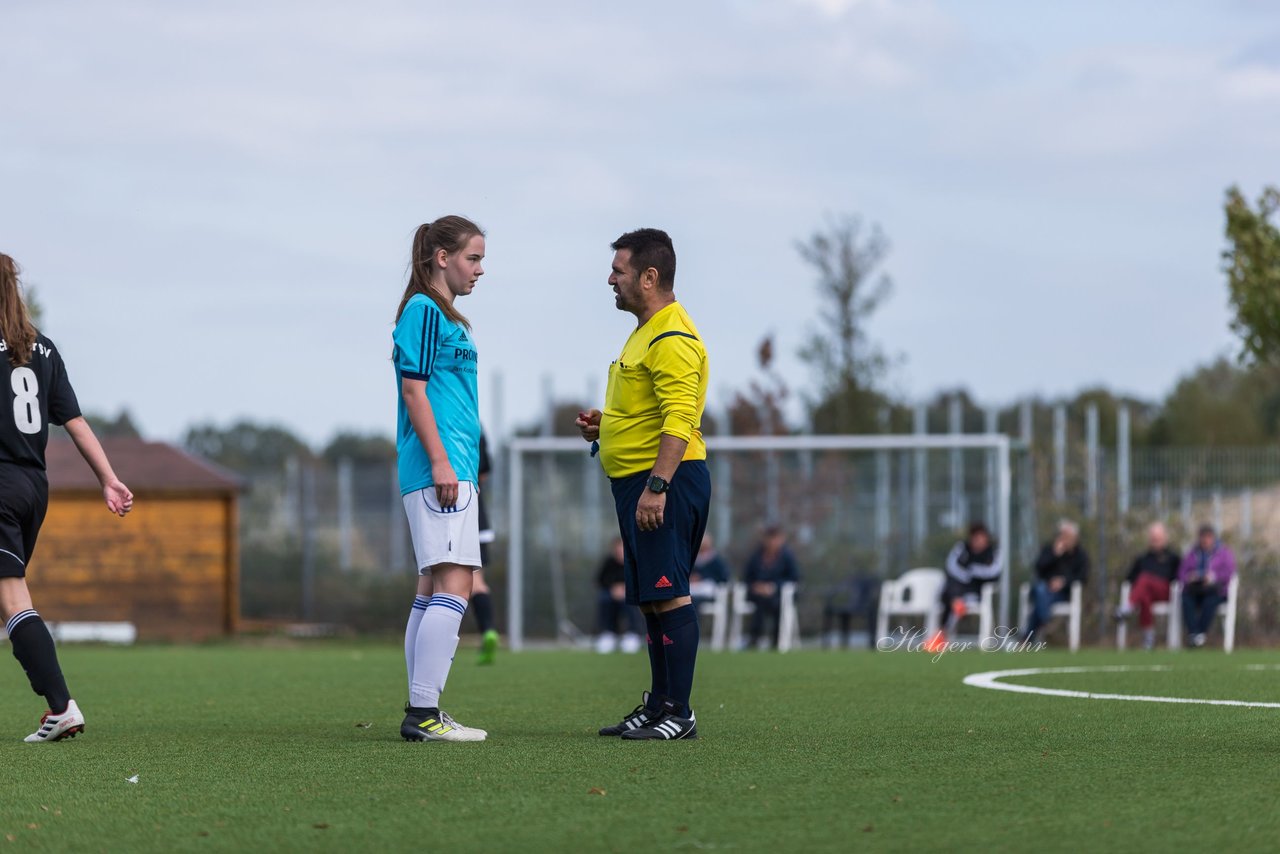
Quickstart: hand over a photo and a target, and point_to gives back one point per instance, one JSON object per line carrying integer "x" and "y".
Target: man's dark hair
{"x": 979, "y": 528}
{"x": 650, "y": 247}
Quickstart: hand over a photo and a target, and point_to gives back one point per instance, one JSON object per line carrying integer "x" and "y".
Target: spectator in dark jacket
{"x": 1206, "y": 572}
{"x": 1061, "y": 563}
{"x": 709, "y": 569}
{"x": 770, "y": 566}
{"x": 612, "y": 607}
{"x": 973, "y": 562}
{"x": 1149, "y": 578}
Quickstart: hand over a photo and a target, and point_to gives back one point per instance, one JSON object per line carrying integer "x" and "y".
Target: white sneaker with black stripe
{"x": 669, "y": 727}
{"x": 66, "y": 724}
{"x": 641, "y": 716}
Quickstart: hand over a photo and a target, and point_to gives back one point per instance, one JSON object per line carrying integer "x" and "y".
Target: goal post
{"x": 565, "y": 504}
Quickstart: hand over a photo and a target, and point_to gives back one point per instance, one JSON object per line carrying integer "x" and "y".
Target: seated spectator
{"x": 709, "y": 569}
{"x": 1149, "y": 580}
{"x": 973, "y": 562}
{"x": 1061, "y": 563}
{"x": 856, "y": 596}
{"x": 612, "y": 607}
{"x": 1205, "y": 573}
{"x": 769, "y": 567}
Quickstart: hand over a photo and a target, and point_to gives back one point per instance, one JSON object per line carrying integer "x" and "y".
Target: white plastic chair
{"x": 788, "y": 619}
{"x": 1227, "y": 611}
{"x": 716, "y": 607}
{"x": 915, "y": 594}
{"x": 986, "y": 612}
{"x": 1170, "y": 610}
{"x": 1072, "y": 609}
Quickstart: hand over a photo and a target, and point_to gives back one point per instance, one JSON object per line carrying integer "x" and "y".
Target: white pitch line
{"x": 990, "y": 679}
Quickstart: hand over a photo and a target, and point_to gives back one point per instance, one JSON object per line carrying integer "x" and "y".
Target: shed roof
{"x": 142, "y": 465}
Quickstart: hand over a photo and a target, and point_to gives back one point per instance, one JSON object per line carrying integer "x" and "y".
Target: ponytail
{"x": 451, "y": 234}
{"x": 16, "y": 328}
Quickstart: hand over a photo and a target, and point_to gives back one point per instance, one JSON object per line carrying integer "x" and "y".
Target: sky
{"x": 215, "y": 202}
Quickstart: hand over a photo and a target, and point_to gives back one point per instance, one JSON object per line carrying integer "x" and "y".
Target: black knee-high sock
{"x": 680, "y": 635}
{"x": 482, "y": 607}
{"x": 33, "y": 647}
{"x": 657, "y": 661}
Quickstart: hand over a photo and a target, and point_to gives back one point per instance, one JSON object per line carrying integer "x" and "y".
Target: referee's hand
{"x": 588, "y": 424}
{"x": 650, "y": 510}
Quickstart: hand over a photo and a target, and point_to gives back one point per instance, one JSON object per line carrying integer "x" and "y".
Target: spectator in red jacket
{"x": 1149, "y": 579}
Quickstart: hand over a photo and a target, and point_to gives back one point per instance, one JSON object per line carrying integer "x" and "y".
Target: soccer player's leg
{"x": 446, "y": 543}
{"x": 626, "y": 494}
{"x": 22, "y": 510}
{"x": 481, "y": 599}
{"x": 482, "y": 607}
{"x": 673, "y": 548}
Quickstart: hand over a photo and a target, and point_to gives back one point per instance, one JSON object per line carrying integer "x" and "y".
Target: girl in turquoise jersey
{"x": 438, "y": 444}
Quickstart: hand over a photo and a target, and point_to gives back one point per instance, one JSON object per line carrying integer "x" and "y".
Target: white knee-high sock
{"x": 433, "y": 653}
{"x": 411, "y": 633}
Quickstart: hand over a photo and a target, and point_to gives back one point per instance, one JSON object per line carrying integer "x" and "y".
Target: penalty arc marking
{"x": 991, "y": 679}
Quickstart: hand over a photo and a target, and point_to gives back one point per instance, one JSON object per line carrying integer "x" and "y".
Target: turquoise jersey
{"x": 428, "y": 346}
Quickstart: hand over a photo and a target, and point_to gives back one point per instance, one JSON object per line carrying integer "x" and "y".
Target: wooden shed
{"x": 171, "y": 567}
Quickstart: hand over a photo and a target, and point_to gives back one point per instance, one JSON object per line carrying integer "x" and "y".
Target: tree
{"x": 360, "y": 448}
{"x": 1252, "y": 264}
{"x": 245, "y": 446}
{"x": 1221, "y": 404}
{"x": 758, "y": 410}
{"x": 847, "y": 364}
{"x": 120, "y": 427}
{"x": 34, "y": 309}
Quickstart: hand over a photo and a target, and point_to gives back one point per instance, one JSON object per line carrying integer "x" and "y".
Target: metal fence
{"x": 328, "y": 542}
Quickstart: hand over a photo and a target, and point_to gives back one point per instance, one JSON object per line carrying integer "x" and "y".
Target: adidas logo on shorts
{"x": 663, "y": 582}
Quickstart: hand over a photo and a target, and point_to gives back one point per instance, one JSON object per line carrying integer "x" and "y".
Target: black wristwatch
{"x": 657, "y": 484}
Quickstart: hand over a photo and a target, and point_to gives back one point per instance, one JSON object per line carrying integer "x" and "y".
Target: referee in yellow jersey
{"x": 651, "y": 447}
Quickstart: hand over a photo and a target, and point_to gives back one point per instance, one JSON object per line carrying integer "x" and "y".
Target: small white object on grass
{"x": 132, "y": 779}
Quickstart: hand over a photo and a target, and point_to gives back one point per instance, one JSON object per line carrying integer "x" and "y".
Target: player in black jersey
{"x": 481, "y": 600}
{"x": 34, "y": 393}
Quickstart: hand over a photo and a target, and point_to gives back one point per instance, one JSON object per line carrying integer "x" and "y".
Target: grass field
{"x": 260, "y": 748}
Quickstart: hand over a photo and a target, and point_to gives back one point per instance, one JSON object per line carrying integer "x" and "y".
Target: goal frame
{"x": 519, "y": 448}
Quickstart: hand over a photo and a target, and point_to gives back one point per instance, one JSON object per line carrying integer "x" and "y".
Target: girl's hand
{"x": 119, "y": 498}
{"x": 446, "y": 484}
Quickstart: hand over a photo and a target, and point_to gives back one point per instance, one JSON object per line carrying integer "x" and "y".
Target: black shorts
{"x": 24, "y": 498}
{"x": 656, "y": 564}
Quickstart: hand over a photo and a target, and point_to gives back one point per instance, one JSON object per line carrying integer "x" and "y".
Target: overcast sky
{"x": 215, "y": 201}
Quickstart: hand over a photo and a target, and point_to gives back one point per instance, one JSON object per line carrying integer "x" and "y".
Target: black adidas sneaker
{"x": 668, "y": 727}
{"x": 640, "y": 716}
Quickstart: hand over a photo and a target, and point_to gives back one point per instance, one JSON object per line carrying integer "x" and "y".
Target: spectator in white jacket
{"x": 973, "y": 562}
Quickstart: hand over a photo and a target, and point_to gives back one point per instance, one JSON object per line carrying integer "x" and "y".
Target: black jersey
{"x": 33, "y": 396}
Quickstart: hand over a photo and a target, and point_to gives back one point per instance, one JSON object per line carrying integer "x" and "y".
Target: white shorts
{"x": 444, "y": 536}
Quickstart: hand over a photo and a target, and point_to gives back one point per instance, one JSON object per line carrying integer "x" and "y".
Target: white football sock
{"x": 433, "y": 653}
{"x": 411, "y": 633}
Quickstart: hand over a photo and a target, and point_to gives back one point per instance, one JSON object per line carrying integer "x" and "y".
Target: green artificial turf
{"x": 258, "y": 748}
